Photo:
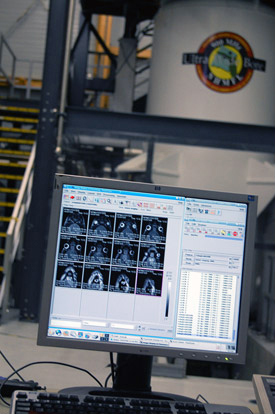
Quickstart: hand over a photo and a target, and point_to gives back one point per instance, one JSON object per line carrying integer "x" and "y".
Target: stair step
{"x": 17, "y": 119}
{"x": 11, "y": 177}
{"x": 7, "y": 204}
{"x": 17, "y": 140}
{"x": 8, "y": 219}
{"x": 9, "y": 190}
{"x": 18, "y": 127}
{"x": 21, "y": 130}
{"x": 19, "y": 109}
{"x": 12, "y": 164}
{"x": 15, "y": 152}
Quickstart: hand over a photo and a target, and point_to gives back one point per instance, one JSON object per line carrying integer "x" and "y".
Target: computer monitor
{"x": 148, "y": 270}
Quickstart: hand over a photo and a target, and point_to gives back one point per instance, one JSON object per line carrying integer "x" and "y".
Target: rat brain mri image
{"x": 69, "y": 275}
{"x": 96, "y": 277}
{"x": 101, "y": 224}
{"x": 151, "y": 255}
{"x": 111, "y": 252}
{"x": 127, "y": 226}
{"x": 74, "y": 221}
{"x": 125, "y": 253}
{"x": 149, "y": 287}
{"x": 71, "y": 248}
{"x": 154, "y": 229}
{"x": 98, "y": 250}
{"x": 122, "y": 283}
{"x": 122, "y": 280}
{"x": 96, "y": 281}
{"x": 149, "y": 282}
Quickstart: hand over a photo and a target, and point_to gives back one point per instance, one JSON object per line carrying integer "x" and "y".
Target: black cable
{"x": 202, "y": 397}
{"x": 113, "y": 367}
{"x": 107, "y": 379}
{"x": 46, "y": 362}
{"x": 10, "y": 365}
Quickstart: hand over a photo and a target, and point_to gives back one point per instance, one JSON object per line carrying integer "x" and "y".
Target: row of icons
{"x": 199, "y": 210}
{"x": 66, "y": 333}
{"x": 214, "y": 231}
{"x": 116, "y": 201}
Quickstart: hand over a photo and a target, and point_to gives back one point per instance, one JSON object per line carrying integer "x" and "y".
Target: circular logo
{"x": 224, "y": 64}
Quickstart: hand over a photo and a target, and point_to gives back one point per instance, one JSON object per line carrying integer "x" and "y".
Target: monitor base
{"x": 111, "y": 392}
{"x": 132, "y": 380}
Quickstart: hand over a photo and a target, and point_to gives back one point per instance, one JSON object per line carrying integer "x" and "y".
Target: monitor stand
{"x": 132, "y": 380}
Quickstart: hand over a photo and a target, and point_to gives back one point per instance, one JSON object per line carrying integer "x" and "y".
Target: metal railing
{"x": 5, "y": 46}
{"x": 15, "y": 233}
{"x": 9, "y": 72}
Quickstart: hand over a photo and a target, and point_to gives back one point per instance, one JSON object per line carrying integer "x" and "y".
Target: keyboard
{"x": 24, "y": 402}
{"x": 264, "y": 388}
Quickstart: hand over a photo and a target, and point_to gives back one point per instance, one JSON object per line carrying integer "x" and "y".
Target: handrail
{"x": 14, "y": 237}
{"x": 3, "y": 39}
{"x": 28, "y": 84}
{"x": 11, "y": 78}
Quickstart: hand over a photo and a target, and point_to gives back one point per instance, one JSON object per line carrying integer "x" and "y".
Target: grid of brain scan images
{"x": 111, "y": 252}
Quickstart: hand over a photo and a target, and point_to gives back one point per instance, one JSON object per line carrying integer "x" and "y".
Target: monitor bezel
{"x": 44, "y": 340}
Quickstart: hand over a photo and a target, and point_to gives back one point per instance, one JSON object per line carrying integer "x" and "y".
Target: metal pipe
{"x": 65, "y": 77}
{"x": 1, "y": 47}
{"x": 29, "y": 82}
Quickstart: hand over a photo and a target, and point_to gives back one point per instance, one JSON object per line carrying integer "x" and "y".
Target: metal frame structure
{"x": 35, "y": 243}
{"x": 170, "y": 130}
{"x": 149, "y": 129}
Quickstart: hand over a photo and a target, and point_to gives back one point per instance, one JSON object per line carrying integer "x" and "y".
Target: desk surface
{"x": 18, "y": 343}
{"x": 212, "y": 389}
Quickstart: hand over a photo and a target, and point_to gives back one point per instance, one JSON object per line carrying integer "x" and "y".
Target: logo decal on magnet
{"x": 224, "y": 62}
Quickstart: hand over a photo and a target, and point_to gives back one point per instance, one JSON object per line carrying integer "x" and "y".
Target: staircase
{"x": 18, "y": 128}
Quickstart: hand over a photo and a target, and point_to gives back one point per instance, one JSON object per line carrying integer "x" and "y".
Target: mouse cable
{"x": 112, "y": 365}
{"x": 10, "y": 365}
{"x": 114, "y": 368}
{"x": 202, "y": 397}
{"x": 107, "y": 380}
{"x": 46, "y": 362}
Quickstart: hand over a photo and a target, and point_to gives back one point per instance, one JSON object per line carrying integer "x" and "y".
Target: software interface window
{"x": 152, "y": 269}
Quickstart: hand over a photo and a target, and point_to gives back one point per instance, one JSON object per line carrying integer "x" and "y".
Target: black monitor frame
{"x": 235, "y": 357}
